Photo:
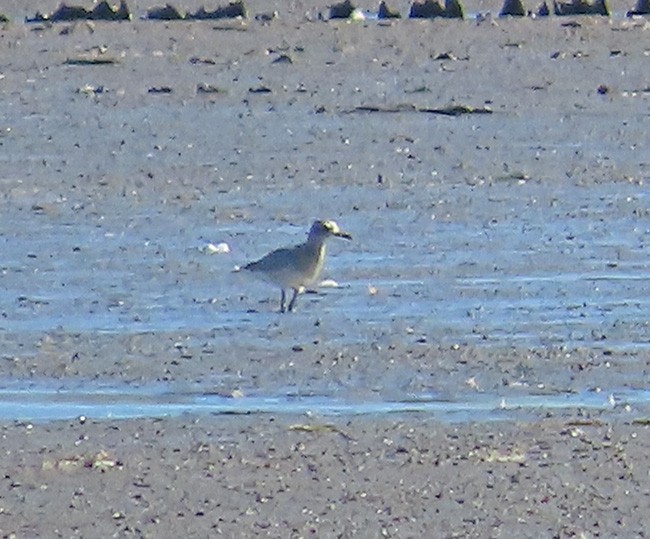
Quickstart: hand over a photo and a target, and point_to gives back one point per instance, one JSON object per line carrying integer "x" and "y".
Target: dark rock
{"x": 267, "y": 16}
{"x": 166, "y": 13}
{"x": 428, "y": 9}
{"x": 104, "y": 12}
{"x": 386, "y": 13}
{"x": 231, "y": 11}
{"x": 580, "y": 7}
{"x": 642, "y": 7}
{"x": 39, "y": 17}
{"x": 431, "y": 9}
{"x": 283, "y": 59}
{"x": 512, "y": 8}
{"x": 453, "y": 9}
{"x": 69, "y": 13}
{"x": 342, "y": 10}
{"x": 206, "y": 88}
{"x": 160, "y": 90}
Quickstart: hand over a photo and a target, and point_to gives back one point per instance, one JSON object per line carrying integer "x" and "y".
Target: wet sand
{"x": 498, "y": 254}
{"x": 300, "y": 477}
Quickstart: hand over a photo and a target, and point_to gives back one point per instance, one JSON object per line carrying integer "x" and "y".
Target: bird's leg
{"x": 283, "y": 302}
{"x": 292, "y": 303}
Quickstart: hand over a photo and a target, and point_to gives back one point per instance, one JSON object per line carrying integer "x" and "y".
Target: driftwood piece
{"x": 451, "y": 110}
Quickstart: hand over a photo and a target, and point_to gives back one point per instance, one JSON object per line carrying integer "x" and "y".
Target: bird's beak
{"x": 343, "y": 235}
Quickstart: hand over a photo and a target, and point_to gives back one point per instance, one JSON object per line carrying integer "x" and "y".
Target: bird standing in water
{"x": 297, "y": 267}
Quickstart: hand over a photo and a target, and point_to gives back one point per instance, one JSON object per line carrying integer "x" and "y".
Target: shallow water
{"x": 47, "y": 402}
{"x": 526, "y": 266}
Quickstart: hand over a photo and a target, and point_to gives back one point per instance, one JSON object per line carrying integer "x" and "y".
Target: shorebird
{"x": 296, "y": 267}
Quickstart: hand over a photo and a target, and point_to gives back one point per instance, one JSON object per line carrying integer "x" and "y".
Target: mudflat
{"x": 487, "y": 336}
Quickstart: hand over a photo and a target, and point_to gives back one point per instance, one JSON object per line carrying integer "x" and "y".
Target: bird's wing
{"x": 274, "y": 261}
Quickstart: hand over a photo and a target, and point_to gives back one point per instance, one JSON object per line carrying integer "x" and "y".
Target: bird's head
{"x": 324, "y": 229}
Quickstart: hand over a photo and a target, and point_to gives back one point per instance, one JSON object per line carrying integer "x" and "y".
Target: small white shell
{"x": 329, "y": 283}
{"x": 218, "y": 249}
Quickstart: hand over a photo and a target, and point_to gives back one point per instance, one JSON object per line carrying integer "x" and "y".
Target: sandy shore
{"x": 299, "y": 477}
{"x": 115, "y": 174}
